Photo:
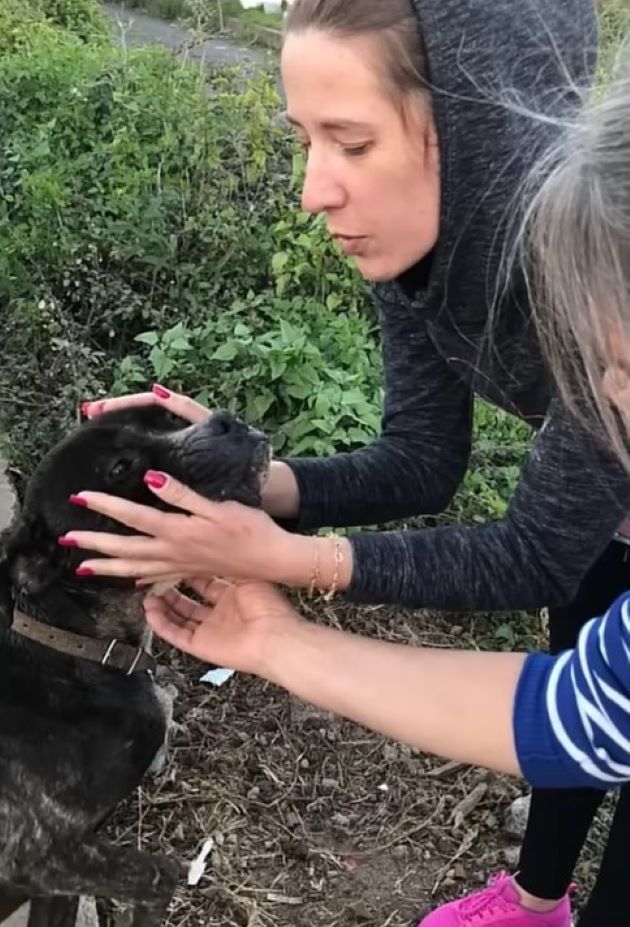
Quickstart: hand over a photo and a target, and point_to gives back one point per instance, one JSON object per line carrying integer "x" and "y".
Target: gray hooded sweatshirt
{"x": 450, "y": 331}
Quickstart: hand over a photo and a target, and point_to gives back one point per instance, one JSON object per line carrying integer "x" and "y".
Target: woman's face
{"x": 374, "y": 173}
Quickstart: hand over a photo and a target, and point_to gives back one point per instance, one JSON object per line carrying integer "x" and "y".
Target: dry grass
{"x": 316, "y": 822}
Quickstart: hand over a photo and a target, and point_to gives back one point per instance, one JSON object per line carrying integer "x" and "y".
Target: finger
{"x": 128, "y": 569}
{"x": 180, "y": 496}
{"x": 164, "y": 579}
{"x": 142, "y": 518}
{"x": 157, "y": 604}
{"x": 117, "y": 545}
{"x": 186, "y": 608}
{"x": 96, "y": 408}
{"x": 175, "y": 634}
{"x": 210, "y": 589}
{"x": 182, "y": 406}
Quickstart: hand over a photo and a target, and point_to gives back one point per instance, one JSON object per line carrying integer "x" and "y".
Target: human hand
{"x": 236, "y": 627}
{"x": 280, "y": 494}
{"x": 204, "y": 538}
{"x": 182, "y": 406}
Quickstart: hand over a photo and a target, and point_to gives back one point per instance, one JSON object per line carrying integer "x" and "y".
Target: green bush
{"x": 308, "y": 371}
{"x": 137, "y": 194}
{"x": 149, "y": 229}
{"x": 29, "y": 24}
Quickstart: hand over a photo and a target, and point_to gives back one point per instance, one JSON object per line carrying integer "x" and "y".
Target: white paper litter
{"x": 198, "y": 865}
{"x": 218, "y": 676}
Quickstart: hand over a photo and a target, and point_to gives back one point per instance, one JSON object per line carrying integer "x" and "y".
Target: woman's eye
{"x": 354, "y": 151}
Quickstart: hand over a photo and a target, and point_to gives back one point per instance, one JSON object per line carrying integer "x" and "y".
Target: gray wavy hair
{"x": 576, "y": 236}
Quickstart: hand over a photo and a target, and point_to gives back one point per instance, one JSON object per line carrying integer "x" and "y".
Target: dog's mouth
{"x": 223, "y": 458}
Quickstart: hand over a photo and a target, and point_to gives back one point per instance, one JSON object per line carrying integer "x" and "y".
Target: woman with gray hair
{"x": 418, "y": 168}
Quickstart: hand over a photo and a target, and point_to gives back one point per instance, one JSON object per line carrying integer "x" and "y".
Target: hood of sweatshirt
{"x": 502, "y": 75}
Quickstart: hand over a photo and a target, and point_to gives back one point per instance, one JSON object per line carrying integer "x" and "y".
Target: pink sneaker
{"x": 497, "y": 906}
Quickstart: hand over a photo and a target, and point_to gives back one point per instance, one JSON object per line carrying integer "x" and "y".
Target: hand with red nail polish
{"x": 202, "y": 539}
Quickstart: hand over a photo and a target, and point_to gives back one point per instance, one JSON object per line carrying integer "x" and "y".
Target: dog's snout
{"x": 223, "y": 423}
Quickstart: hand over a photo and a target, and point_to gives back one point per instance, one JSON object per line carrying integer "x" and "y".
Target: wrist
{"x": 320, "y": 564}
{"x": 282, "y": 656}
{"x": 280, "y": 494}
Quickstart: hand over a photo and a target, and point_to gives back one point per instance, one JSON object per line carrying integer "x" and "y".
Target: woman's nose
{"x": 321, "y": 191}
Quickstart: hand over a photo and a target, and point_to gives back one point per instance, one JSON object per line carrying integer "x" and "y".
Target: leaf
{"x": 226, "y": 352}
{"x": 258, "y": 404}
{"x": 298, "y": 390}
{"x": 290, "y": 334}
{"x": 242, "y": 332}
{"x": 278, "y": 262}
{"x": 180, "y": 344}
{"x": 150, "y": 338}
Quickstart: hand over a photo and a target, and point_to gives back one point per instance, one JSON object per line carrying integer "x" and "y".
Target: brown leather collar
{"x": 112, "y": 653}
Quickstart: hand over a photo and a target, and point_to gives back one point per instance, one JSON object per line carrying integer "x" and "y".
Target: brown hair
{"x": 393, "y": 23}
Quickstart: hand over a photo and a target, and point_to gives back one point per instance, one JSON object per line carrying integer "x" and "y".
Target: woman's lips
{"x": 351, "y": 244}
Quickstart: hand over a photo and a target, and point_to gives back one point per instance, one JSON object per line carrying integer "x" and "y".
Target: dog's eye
{"x": 121, "y": 469}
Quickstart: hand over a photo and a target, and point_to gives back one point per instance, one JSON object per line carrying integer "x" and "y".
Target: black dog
{"x": 81, "y": 717}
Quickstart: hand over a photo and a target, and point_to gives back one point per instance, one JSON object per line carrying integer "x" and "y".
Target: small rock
{"x": 329, "y": 784}
{"x": 517, "y": 816}
{"x": 254, "y": 793}
{"x": 400, "y": 851}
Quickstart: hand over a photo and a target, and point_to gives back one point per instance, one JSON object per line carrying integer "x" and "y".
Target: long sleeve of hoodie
{"x": 422, "y": 454}
{"x": 569, "y": 500}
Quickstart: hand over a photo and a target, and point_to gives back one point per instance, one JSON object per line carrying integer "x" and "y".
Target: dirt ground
{"x": 316, "y": 822}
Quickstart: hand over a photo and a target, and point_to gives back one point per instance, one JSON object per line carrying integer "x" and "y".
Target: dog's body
{"x": 76, "y": 737}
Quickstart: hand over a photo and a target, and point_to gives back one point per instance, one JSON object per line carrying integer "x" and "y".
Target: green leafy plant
{"x": 308, "y": 372}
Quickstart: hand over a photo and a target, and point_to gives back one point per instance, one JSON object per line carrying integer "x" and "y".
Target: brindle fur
{"x": 76, "y": 738}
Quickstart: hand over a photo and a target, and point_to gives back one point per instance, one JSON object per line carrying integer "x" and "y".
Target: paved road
{"x": 137, "y": 29}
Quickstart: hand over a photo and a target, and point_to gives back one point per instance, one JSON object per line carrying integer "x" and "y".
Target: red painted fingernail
{"x": 85, "y": 409}
{"x": 160, "y": 392}
{"x": 154, "y": 479}
{"x": 84, "y": 571}
{"x": 63, "y": 541}
{"x": 77, "y": 500}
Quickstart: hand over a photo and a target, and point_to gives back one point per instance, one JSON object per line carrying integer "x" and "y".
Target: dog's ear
{"x": 28, "y": 557}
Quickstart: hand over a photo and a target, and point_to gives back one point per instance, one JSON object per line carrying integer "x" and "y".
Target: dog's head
{"x": 221, "y": 459}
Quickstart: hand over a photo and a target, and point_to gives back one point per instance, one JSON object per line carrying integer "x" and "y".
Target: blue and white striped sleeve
{"x": 572, "y": 711}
